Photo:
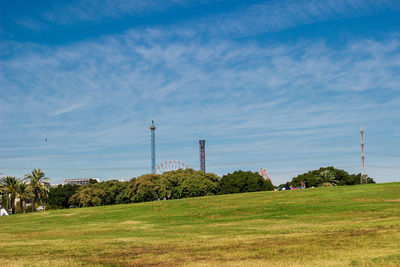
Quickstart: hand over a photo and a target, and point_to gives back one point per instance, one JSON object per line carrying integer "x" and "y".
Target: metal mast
{"x": 363, "y": 173}
{"x": 202, "y": 155}
{"x": 153, "y": 147}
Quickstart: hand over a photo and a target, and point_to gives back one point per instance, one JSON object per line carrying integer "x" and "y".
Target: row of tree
{"x": 35, "y": 187}
{"x": 328, "y": 176}
{"x": 150, "y": 187}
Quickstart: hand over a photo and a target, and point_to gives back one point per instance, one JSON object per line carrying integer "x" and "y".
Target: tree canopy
{"x": 150, "y": 187}
{"x": 240, "y": 181}
{"x": 60, "y": 195}
{"x": 38, "y": 185}
{"x": 147, "y": 187}
{"x": 333, "y": 176}
{"x": 10, "y": 187}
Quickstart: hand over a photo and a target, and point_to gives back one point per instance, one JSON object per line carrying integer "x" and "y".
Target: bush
{"x": 145, "y": 188}
{"x": 240, "y": 181}
{"x": 150, "y": 187}
{"x": 59, "y": 196}
{"x": 172, "y": 185}
{"x": 314, "y": 177}
{"x": 87, "y": 196}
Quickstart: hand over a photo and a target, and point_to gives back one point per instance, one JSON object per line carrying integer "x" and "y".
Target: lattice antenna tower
{"x": 153, "y": 147}
{"x": 363, "y": 173}
{"x": 202, "y": 155}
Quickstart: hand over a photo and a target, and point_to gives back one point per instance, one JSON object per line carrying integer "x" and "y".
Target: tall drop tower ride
{"x": 202, "y": 155}
{"x": 153, "y": 147}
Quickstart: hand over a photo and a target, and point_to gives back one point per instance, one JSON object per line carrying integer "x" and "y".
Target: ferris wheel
{"x": 170, "y": 165}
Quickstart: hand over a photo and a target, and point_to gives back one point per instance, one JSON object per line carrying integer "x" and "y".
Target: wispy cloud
{"x": 255, "y": 103}
{"x": 30, "y": 23}
{"x": 272, "y": 16}
{"x": 239, "y": 20}
{"x": 68, "y": 109}
{"x": 96, "y": 10}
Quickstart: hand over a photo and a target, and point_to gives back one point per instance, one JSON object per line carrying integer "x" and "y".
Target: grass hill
{"x": 337, "y": 226}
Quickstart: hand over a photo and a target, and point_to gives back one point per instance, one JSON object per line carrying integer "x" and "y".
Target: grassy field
{"x": 341, "y": 226}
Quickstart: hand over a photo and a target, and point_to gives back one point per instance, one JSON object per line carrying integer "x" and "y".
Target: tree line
{"x": 327, "y": 176}
{"x": 150, "y": 187}
{"x": 35, "y": 187}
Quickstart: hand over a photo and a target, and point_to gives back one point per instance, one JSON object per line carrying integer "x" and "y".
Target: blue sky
{"x": 280, "y": 85}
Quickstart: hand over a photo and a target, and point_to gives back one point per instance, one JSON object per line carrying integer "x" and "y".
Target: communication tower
{"x": 153, "y": 147}
{"x": 363, "y": 173}
{"x": 202, "y": 155}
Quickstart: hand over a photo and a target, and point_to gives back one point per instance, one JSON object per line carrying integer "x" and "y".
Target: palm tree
{"x": 38, "y": 185}
{"x": 24, "y": 194}
{"x": 328, "y": 178}
{"x": 3, "y": 196}
{"x": 10, "y": 184}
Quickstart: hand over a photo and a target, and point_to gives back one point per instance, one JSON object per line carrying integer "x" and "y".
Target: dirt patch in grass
{"x": 363, "y": 200}
{"x": 212, "y": 252}
{"x": 130, "y": 223}
{"x": 393, "y": 200}
{"x": 272, "y": 250}
{"x": 321, "y": 227}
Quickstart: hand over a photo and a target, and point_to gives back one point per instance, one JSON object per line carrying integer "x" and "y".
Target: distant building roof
{"x": 80, "y": 181}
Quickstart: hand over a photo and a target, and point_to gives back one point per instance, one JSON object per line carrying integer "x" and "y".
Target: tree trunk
{"x": 33, "y": 204}
{"x": 20, "y": 205}
{"x": 12, "y": 205}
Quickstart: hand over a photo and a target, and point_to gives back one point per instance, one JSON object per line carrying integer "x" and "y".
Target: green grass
{"x": 340, "y": 226}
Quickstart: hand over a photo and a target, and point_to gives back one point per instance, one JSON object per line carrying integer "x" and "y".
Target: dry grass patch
{"x": 357, "y": 225}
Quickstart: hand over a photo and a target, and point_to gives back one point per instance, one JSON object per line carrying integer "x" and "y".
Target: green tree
{"x": 145, "y": 188}
{"x": 38, "y": 185}
{"x": 187, "y": 183}
{"x": 113, "y": 191}
{"x": 4, "y": 200}
{"x": 356, "y": 178}
{"x": 23, "y": 194}
{"x": 121, "y": 193}
{"x": 240, "y": 181}
{"x": 59, "y": 196}
{"x": 201, "y": 184}
{"x": 10, "y": 185}
{"x": 328, "y": 178}
{"x": 170, "y": 184}
{"x": 130, "y": 191}
{"x": 3, "y": 196}
{"x": 92, "y": 181}
{"x": 314, "y": 177}
{"x": 87, "y": 196}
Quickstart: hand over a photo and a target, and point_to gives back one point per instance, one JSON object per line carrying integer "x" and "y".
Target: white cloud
{"x": 96, "y": 10}
{"x": 277, "y": 15}
{"x": 68, "y": 109}
{"x": 30, "y": 23}
{"x": 244, "y": 98}
{"x": 236, "y": 20}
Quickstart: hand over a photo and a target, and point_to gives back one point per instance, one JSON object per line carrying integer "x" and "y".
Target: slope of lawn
{"x": 337, "y": 226}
